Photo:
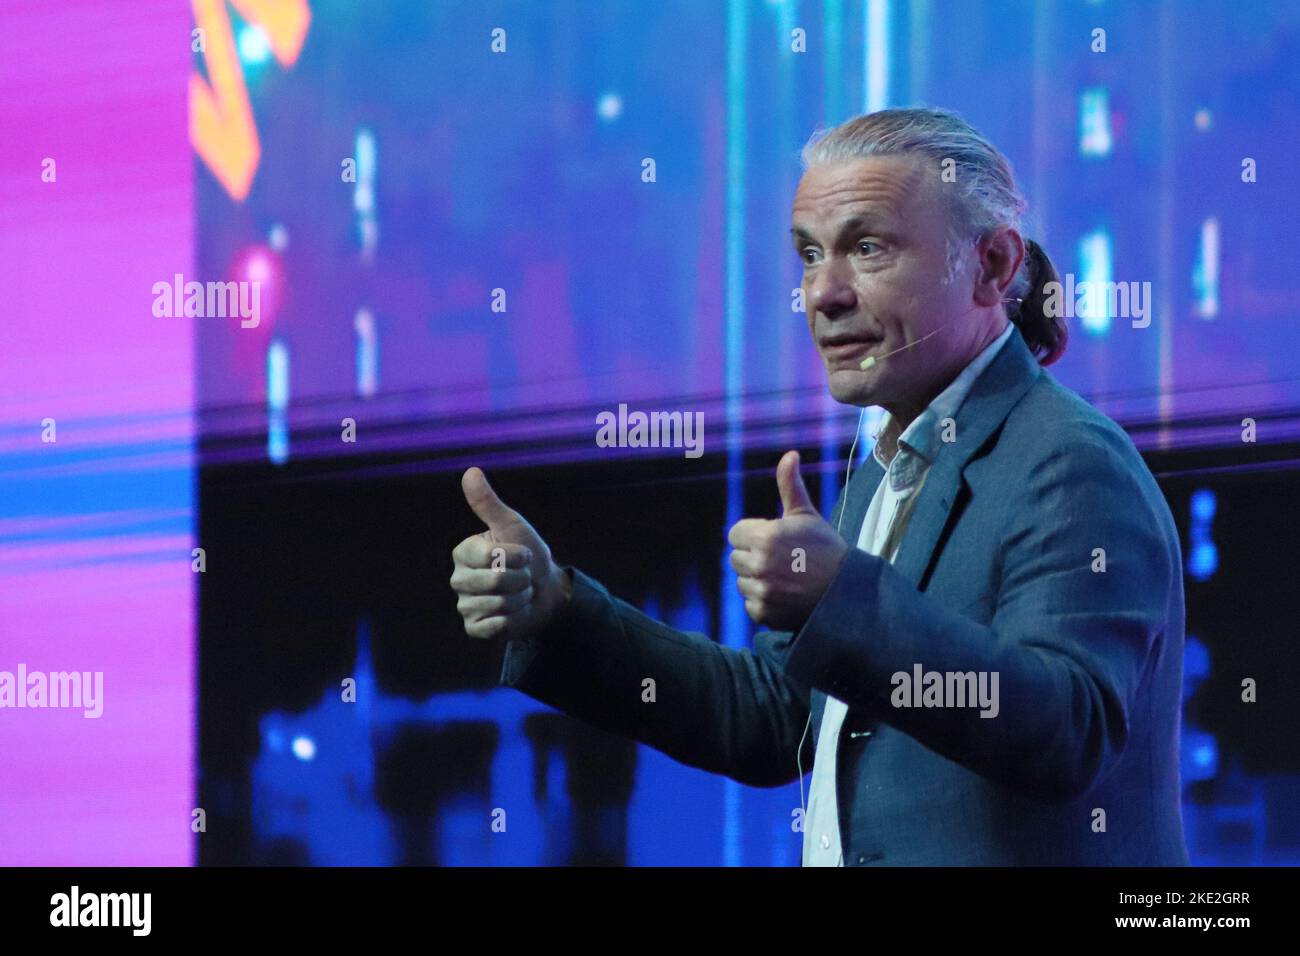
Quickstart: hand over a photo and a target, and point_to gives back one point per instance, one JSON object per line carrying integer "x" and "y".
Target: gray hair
{"x": 984, "y": 197}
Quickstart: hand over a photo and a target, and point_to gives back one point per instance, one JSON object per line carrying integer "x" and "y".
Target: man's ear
{"x": 999, "y": 252}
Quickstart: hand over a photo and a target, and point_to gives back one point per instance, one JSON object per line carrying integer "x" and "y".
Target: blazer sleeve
{"x": 1070, "y": 645}
{"x": 725, "y": 710}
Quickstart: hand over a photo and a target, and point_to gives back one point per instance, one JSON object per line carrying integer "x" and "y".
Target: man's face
{"x": 872, "y": 234}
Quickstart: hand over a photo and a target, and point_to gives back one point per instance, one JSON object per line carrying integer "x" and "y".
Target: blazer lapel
{"x": 987, "y": 404}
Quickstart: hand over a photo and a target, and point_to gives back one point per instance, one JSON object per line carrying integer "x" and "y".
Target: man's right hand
{"x": 505, "y": 581}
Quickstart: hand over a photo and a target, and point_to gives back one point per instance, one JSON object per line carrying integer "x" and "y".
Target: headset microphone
{"x": 871, "y": 360}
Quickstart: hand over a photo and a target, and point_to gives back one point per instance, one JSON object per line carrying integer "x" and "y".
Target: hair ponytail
{"x": 1046, "y": 335}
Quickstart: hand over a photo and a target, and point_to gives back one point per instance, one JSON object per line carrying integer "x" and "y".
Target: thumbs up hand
{"x": 505, "y": 581}
{"x": 784, "y": 566}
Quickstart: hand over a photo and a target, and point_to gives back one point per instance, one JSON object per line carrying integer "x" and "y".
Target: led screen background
{"x": 96, "y": 526}
{"x": 522, "y": 172}
{"x": 519, "y": 180}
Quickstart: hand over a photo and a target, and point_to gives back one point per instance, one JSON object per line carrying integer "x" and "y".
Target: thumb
{"x": 794, "y": 496}
{"x": 491, "y": 510}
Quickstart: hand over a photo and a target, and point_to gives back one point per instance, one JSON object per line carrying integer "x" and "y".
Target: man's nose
{"x": 832, "y": 294}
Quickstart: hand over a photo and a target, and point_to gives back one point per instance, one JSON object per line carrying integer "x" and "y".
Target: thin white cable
{"x": 798, "y": 756}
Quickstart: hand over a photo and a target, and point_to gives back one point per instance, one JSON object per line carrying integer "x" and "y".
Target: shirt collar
{"x": 922, "y": 436}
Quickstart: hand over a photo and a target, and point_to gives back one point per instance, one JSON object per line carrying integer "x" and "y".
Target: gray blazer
{"x": 999, "y": 571}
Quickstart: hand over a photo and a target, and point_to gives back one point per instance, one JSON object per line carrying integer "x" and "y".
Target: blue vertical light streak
{"x": 833, "y": 64}
{"x": 1094, "y": 122}
{"x": 363, "y": 197}
{"x": 919, "y": 51}
{"x": 735, "y": 624}
{"x": 277, "y": 402}
{"x": 832, "y": 108}
{"x": 1205, "y": 277}
{"x": 875, "y": 71}
{"x": 1097, "y": 267}
{"x": 367, "y": 352}
{"x": 1203, "y": 555}
{"x": 875, "y": 51}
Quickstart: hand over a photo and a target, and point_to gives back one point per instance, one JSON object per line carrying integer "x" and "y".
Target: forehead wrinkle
{"x": 865, "y": 188}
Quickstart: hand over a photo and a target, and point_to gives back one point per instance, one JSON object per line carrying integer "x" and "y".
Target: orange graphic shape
{"x": 221, "y": 119}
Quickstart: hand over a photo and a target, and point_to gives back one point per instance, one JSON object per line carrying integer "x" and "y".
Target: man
{"x": 992, "y": 675}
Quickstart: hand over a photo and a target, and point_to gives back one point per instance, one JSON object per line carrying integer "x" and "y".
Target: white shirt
{"x": 906, "y": 459}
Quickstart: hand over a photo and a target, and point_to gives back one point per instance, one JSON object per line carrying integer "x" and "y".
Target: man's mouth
{"x": 843, "y": 349}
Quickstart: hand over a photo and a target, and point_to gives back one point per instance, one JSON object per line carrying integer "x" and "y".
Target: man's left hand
{"x": 786, "y": 565}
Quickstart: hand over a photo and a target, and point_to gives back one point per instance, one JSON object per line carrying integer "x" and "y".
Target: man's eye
{"x": 808, "y": 254}
{"x": 863, "y": 245}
